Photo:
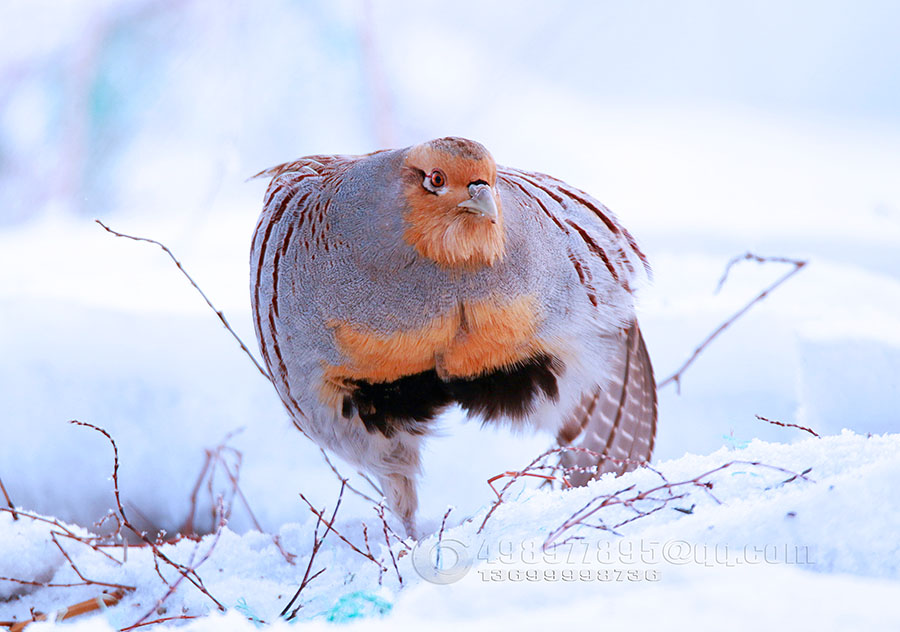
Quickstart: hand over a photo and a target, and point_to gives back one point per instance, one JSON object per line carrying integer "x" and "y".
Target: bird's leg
{"x": 400, "y": 493}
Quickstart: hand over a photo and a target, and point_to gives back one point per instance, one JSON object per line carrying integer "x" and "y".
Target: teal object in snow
{"x": 244, "y": 608}
{"x": 357, "y": 605}
{"x": 735, "y": 443}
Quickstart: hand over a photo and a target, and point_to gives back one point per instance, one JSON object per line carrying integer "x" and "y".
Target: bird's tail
{"x": 615, "y": 422}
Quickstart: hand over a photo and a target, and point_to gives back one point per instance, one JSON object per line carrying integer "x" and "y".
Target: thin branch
{"x": 188, "y": 527}
{"x": 243, "y": 346}
{"x": 188, "y": 573}
{"x": 787, "y": 425}
{"x": 443, "y": 524}
{"x": 330, "y": 525}
{"x": 288, "y": 557}
{"x": 536, "y": 464}
{"x": 66, "y": 532}
{"x": 749, "y": 256}
{"x": 307, "y": 578}
{"x": 8, "y": 501}
{"x": 26, "y": 582}
{"x": 218, "y": 312}
{"x": 387, "y": 541}
{"x": 629, "y": 498}
{"x": 317, "y": 543}
{"x": 441, "y": 536}
{"x": 191, "y": 567}
{"x": 374, "y": 485}
{"x": 798, "y": 265}
{"x": 72, "y": 565}
{"x": 369, "y": 551}
{"x": 217, "y": 457}
{"x": 546, "y": 477}
{"x": 345, "y": 481}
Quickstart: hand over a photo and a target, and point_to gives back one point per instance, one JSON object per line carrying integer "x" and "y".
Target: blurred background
{"x": 710, "y": 128}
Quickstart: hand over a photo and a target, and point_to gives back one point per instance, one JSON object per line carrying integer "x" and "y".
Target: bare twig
{"x": 243, "y": 346}
{"x": 64, "y": 531}
{"x": 749, "y": 256}
{"x": 317, "y": 543}
{"x": 374, "y": 485}
{"x": 26, "y": 582}
{"x": 443, "y": 524}
{"x": 84, "y": 579}
{"x": 387, "y": 541}
{"x": 187, "y": 572}
{"x": 192, "y": 568}
{"x": 345, "y": 481}
{"x": 59, "y": 531}
{"x": 288, "y": 557}
{"x": 536, "y": 464}
{"x": 438, "y": 549}
{"x": 330, "y": 525}
{"x": 795, "y": 477}
{"x": 188, "y": 527}
{"x": 10, "y": 502}
{"x": 642, "y": 503}
{"x": 516, "y": 475}
{"x": 798, "y": 265}
{"x": 196, "y": 287}
{"x": 217, "y": 458}
{"x": 787, "y": 425}
{"x": 379, "y": 509}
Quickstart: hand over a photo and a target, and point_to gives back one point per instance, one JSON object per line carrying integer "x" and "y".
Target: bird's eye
{"x": 437, "y": 179}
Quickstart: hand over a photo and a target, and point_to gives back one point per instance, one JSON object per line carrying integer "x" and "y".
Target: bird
{"x": 389, "y": 286}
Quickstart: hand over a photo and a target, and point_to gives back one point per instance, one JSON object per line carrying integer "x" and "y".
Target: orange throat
{"x": 454, "y": 238}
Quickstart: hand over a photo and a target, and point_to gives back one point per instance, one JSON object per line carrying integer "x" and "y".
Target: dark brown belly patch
{"x": 410, "y": 402}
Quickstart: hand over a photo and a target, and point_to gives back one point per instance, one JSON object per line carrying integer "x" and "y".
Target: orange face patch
{"x": 437, "y": 228}
{"x": 472, "y": 339}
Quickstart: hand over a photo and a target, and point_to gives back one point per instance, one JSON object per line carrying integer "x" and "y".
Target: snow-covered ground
{"x": 757, "y": 547}
{"x": 107, "y": 331}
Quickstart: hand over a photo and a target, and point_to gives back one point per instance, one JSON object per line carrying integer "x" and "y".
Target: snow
{"x": 818, "y": 551}
{"x": 705, "y": 144}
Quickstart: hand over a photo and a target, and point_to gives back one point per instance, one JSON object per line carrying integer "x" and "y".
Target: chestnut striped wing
{"x": 616, "y": 422}
{"x": 295, "y": 189}
{"x": 616, "y": 418}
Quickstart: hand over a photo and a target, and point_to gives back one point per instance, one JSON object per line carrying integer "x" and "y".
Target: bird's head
{"x": 454, "y": 213}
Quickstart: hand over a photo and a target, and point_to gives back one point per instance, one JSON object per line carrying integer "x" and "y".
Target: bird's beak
{"x": 481, "y": 202}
